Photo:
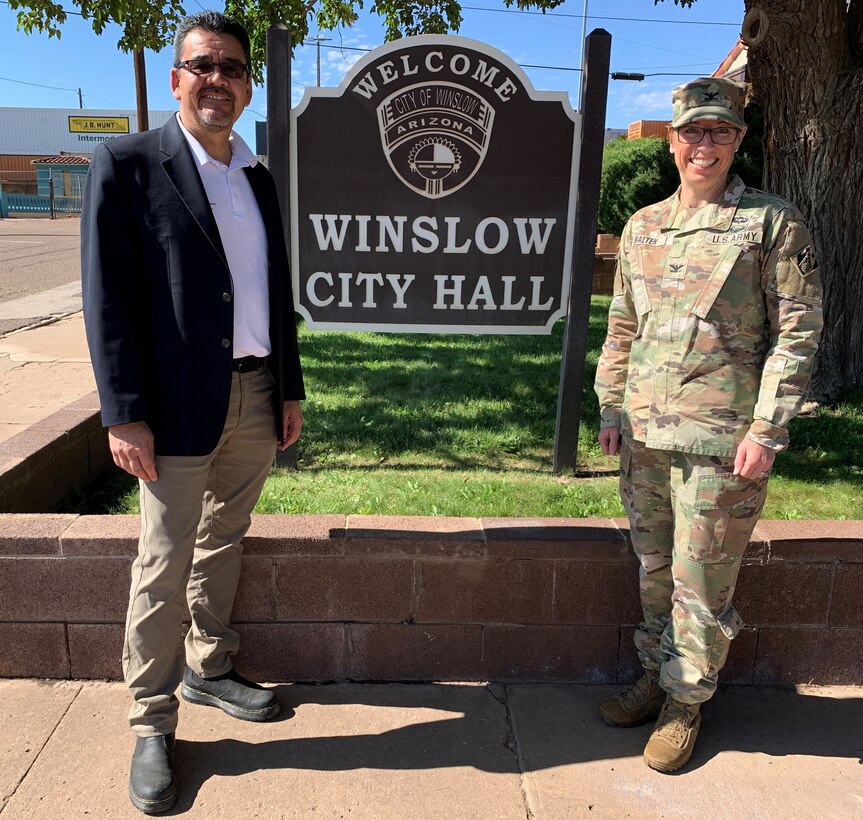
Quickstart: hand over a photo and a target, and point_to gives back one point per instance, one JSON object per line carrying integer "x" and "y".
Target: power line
{"x": 38, "y": 85}
{"x": 597, "y": 17}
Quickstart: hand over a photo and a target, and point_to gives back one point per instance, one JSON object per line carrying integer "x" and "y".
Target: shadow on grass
{"x": 406, "y": 402}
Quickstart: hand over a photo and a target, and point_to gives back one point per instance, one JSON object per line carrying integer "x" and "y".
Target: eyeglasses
{"x": 203, "y": 66}
{"x": 721, "y": 135}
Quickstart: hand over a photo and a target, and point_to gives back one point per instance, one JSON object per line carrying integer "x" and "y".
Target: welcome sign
{"x": 433, "y": 191}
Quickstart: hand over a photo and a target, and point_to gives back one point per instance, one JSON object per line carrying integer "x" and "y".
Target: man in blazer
{"x": 189, "y": 318}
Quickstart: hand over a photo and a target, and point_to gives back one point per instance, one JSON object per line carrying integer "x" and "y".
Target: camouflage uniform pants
{"x": 690, "y": 520}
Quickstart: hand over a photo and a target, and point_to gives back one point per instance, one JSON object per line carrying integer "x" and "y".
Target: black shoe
{"x": 232, "y": 693}
{"x": 153, "y": 778}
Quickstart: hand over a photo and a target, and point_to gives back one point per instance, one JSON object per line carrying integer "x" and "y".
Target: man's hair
{"x": 215, "y": 23}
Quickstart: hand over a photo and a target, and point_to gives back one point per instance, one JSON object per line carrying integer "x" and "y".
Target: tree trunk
{"x": 805, "y": 66}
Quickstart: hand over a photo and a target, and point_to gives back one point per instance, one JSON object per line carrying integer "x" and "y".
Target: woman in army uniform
{"x": 711, "y": 334}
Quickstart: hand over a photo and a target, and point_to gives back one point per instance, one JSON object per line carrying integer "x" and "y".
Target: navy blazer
{"x": 158, "y": 294}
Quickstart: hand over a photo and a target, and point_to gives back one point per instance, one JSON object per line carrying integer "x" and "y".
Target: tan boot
{"x": 636, "y": 705}
{"x": 673, "y": 739}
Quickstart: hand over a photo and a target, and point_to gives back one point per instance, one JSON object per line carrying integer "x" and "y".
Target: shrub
{"x": 635, "y": 173}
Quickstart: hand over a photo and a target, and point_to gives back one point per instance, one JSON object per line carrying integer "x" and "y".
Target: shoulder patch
{"x": 796, "y": 269}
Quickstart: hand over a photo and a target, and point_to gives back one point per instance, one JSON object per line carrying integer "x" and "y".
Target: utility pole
{"x": 80, "y": 99}
{"x": 141, "y": 91}
{"x": 320, "y": 39}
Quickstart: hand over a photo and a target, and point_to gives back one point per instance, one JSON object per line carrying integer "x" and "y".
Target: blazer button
{"x": 226, "y": 297}
{"x": 226, "y": 343}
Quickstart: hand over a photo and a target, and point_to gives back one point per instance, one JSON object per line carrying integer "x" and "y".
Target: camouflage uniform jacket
{"x": 713, "y": 326}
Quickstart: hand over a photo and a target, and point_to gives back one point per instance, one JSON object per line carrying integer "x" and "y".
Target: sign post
{"x": 278, "y": 128}
{"x": 595, "y": 93}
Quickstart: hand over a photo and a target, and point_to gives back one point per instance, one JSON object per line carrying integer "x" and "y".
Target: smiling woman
{"x": 712, "y": 331}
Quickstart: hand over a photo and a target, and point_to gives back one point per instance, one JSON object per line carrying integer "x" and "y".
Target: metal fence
{"x": 51, "y": 204}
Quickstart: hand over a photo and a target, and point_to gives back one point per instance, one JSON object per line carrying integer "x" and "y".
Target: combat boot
{"x": 673, "y": 739}
{"x": 636, "y": 705}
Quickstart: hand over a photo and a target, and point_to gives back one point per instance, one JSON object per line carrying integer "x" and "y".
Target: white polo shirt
{"x": 244, "y": 239}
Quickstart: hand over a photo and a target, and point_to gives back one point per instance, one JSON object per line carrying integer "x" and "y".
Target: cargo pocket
{"x": 725, "y": 510}
{"x": 728, "y": 624}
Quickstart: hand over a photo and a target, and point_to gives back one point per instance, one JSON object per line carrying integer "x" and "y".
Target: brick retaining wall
{"x": 382, "y": 598}
{"x": 42, "y": 465}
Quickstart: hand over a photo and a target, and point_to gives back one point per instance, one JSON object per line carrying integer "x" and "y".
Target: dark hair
{"x": 215, "y": 23}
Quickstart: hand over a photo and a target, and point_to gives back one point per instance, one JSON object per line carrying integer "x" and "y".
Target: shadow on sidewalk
{"x": 547, "y": 726}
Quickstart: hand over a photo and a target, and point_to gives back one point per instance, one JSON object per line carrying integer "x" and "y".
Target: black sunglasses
{"x": 202, "y": 66}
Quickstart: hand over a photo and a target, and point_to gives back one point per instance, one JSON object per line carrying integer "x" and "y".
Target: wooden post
{"x": 278, "y": 155}
{"x": 594, "y": 98}
{"x": 141, "y": 91}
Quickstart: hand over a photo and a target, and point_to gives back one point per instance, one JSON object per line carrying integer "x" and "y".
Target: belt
{"x": 248, "y": 364}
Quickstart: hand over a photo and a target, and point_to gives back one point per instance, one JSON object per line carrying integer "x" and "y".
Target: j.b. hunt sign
{"x": 433, "y": 191}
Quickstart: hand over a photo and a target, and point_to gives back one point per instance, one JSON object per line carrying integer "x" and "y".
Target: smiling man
{"x": 712, "y": 331}
{"x": 189, "y": 318}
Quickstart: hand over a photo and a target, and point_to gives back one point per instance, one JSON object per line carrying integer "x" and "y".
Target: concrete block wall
{"x": 42, "y": 465}
{"x": 326, "y": 598}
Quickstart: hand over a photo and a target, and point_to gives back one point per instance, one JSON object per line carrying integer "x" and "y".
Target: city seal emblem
{"x": 435, "y": 135}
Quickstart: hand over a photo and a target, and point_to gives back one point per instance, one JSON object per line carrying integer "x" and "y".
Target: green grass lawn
{"x": 464, "y": 425}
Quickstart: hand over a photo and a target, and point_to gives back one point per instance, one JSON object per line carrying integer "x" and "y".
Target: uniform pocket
{"x": 726, "y": 261}
{"x": 724, "y": 512}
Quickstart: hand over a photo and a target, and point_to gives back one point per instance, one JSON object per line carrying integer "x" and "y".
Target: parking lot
{"x": 39, "y": 270}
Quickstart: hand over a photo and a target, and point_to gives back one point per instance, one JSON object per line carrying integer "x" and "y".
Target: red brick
{"x": 33, "y": 651}
{"x": 588, "y": 592}
{"x": 784, "y": 594}
{"x": 30, "y": 485}
{"x": 70, "y": 464}
{"x": 28, "y": 442}
{"x": 256, "y": 594}
{"x": 102, "y": 535}
{"x": 414, "y": 535}
{"x": 401, "y": 652}
{"x": 824, "y": 657}
{"x": 758, "y": 548}
{"x": 75, "y": 419}
{"x": 343, "y": 589}
{"x": 582, "y": 539}
{"x": 296, "y": 535}
{"x": 740, "y": 666}
{"x": 485, "y": 592}
{"x": 64, "y": 589}
{"x": 100, "y": 454}
{"x": 629, "y": 667}
{"x": 581, "y": 654}
{"x": 292, "y": 652}
{"x": 96, "y": 651}
{"x": 32, "y": 534}
{"x": 814, "y": 541}
{"x": 846, "y": 608}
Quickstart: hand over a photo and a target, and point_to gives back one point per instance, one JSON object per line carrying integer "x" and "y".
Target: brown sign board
{"x": 433, "y": 191}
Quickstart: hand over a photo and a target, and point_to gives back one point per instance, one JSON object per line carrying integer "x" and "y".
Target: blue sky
{"x": 41, "y": 72}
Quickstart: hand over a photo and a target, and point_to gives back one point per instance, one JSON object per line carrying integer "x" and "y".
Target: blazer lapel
{"x": 179, "y": 165}
{"x": 269, "y": 209}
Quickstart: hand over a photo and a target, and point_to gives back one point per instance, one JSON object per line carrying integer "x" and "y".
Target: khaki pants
{"x": 192, "y": 520}
{"x": 690, "y": 520}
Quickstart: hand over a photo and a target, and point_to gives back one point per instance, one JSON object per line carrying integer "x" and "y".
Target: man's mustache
{"x": 213, "y": 89}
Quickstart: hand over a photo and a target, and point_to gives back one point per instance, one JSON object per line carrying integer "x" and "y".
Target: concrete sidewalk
{"x": 42, "y": 369}
{"x": 436, "y": 751}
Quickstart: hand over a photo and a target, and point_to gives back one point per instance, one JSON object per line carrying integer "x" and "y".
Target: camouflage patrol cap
{"x": 709, "y": 98}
